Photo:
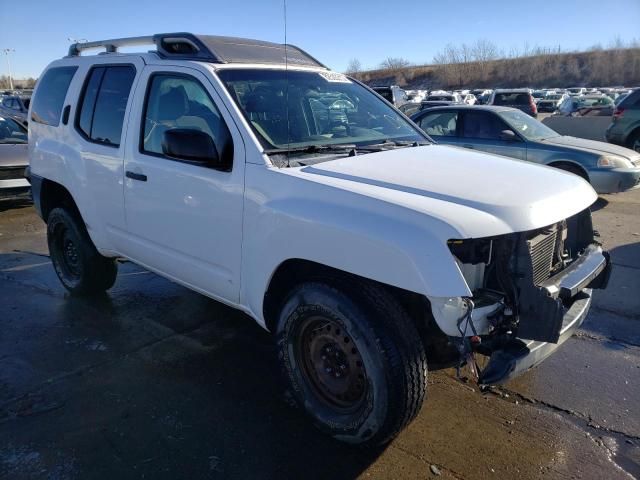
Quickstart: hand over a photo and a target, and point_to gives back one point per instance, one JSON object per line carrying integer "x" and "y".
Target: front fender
{"x": 348, "y": 232}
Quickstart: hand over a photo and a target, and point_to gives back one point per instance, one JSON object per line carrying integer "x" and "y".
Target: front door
{"x": 483, "y": 130}
{"x": 184, "y": 219}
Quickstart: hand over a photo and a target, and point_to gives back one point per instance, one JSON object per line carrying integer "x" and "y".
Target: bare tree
{"x": 394, "y": 64}
{"x": 354, "y": 67}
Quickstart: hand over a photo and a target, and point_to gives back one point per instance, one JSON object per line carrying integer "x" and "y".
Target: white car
{"x": 469, "y": 99}
{"x": 251, "y": 173}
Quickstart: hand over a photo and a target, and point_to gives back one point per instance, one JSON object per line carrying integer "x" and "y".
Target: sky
{"x": 334, "y": 31}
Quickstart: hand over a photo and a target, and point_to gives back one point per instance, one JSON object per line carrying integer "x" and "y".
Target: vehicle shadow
{"x": 599, "y": 204}
{"x": 15, "y": 202}
{"x": 171, "y": 376}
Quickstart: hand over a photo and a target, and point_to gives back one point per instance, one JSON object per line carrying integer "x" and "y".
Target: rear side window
{"x": 104, "y": 102}
{"x": 511, "y": 99}
{"x": 440, "y": 124}
{"x": 632, "y": 101}
{"x": 49, "y": 99}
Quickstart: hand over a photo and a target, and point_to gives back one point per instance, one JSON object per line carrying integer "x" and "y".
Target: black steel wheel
{"x": 79, "y": 266}
{"x": 352, "y": 359}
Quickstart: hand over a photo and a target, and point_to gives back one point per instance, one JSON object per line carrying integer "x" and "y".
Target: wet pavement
{"x": 154, "y": 381}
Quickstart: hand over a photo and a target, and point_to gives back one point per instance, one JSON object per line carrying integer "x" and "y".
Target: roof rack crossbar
{"x": 110, "y": 46}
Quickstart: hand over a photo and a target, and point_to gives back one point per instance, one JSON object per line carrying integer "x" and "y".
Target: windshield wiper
{"x": 311, "y": 149}
{"x": 397, "y": 143}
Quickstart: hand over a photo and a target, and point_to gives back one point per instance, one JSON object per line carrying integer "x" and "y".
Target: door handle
{"x": 468, "y": 146}
{"x": 136, "y": 176}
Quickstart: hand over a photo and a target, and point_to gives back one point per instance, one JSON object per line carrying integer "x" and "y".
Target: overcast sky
{"x": 333, "y": 31}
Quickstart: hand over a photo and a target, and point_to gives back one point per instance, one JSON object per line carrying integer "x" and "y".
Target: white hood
{"x": 477, "y": 194}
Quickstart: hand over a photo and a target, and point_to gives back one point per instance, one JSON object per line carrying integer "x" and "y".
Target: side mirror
{"x": 508, "y": 136}
{"x": 191, "y": 145}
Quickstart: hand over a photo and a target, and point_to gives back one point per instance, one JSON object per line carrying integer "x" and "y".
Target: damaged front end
{"x": 531, "y": 291}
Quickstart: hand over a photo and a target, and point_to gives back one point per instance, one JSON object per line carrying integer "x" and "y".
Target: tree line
{"x": 17, "y": 83}
{"x": 482, "y": 64}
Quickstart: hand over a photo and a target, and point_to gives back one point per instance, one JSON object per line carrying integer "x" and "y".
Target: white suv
{"x": 251, "y": 173}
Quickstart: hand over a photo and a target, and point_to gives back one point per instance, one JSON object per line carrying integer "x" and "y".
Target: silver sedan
{"x": 13, "y": 158}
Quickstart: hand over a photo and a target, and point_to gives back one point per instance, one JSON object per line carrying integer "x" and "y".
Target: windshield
{"x": 553, "y": 97}
{"x": 440, "y": 98}
{"x": 511, "y": 98}
{"x": 527, "y": 126}
{"x": 594, "y": 102}
{"x": 292, "y": 109}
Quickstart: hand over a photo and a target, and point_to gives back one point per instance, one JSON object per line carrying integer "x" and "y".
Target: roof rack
{"x": 208, "y": 48}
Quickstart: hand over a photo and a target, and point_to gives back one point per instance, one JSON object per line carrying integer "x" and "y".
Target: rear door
{"x": 183, "y": 219}
{"x": 98, "y": 126}
{"x": 483, "y": 130}
{"x": 441, "y": 125}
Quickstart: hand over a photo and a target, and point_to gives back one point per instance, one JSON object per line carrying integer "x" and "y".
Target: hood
{"x": 591, "y": 146}
{"x": 477, "y": 194}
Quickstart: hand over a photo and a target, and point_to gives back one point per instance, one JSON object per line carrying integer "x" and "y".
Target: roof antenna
{"x": 286, "y": 79}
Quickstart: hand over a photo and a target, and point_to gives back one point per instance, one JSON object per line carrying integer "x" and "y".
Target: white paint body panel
{"x": 385, "y": 216}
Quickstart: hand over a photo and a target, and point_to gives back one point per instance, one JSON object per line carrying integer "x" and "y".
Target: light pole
{"x": 7, "y": 51}
{"x": 77, "y": 40}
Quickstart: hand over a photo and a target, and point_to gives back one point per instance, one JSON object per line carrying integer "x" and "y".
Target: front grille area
{"x": 11, "y": 173}
{"x": 542, "y": 248}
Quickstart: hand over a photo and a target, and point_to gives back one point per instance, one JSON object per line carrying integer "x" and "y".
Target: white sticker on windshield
{"x": 334, "y": 77}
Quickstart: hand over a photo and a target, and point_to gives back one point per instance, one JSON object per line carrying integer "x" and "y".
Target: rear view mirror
{"x": 508, "y": 136}
{"x": 191, "y": 145}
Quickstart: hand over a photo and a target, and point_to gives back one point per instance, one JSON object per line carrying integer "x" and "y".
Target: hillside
{"x": 592, "y": 68}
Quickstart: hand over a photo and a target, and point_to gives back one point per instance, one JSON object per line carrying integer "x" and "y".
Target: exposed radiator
{"x": 542, "y": 249}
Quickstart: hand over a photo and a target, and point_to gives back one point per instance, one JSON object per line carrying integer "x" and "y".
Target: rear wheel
{"x": 353, "y": 359}
{"x": 79, "y": 266}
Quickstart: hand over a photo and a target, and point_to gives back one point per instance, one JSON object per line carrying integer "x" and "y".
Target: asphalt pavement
{"x": 155, "y": 381}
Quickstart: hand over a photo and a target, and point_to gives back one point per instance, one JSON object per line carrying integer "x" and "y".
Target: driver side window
{"x": 440, "y": 124}
{"x": 179, "y": 101}
{"x": 483, "y": 125}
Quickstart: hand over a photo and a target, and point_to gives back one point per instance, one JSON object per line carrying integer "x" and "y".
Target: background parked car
{"x": 444, "y": 97}
{"x": 575, "y": 91}
{"x": 13, "y": 157}
{"x": 15, "y": 106}
{"x": 510, "y": 132}
{"x": 551, "y": 102}
{"x": 625, "y": 124}
{"x": 393, "y": 94}
{"x": 519, "y": 98}
{"x": 587, "y": 105}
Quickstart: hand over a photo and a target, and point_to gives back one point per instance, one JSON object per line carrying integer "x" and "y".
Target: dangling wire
{"x": 286, "y": 79}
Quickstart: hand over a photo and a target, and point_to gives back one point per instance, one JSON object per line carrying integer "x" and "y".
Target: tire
{"x": 353, "y": 360}
{"x": 634, "y": 141}
{"x": 79, "y": 266}
{"x": 568, "y": 167}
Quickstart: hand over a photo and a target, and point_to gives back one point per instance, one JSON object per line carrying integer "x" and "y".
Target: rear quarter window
{"x": 50, "y": 95}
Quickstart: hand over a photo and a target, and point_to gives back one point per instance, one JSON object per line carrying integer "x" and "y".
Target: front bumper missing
{"x": 572, "y": 287}
{"x": 520, "y": 355}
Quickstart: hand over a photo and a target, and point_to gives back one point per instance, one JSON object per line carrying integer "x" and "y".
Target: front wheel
{"x": 79, "y": 266}
{"x": 353, "y": 359}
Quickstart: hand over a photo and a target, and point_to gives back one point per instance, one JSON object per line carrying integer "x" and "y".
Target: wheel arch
{"x": 570, "y": 163}
{"x": 295, "y": 271}
{"x": 51, "y": 195}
